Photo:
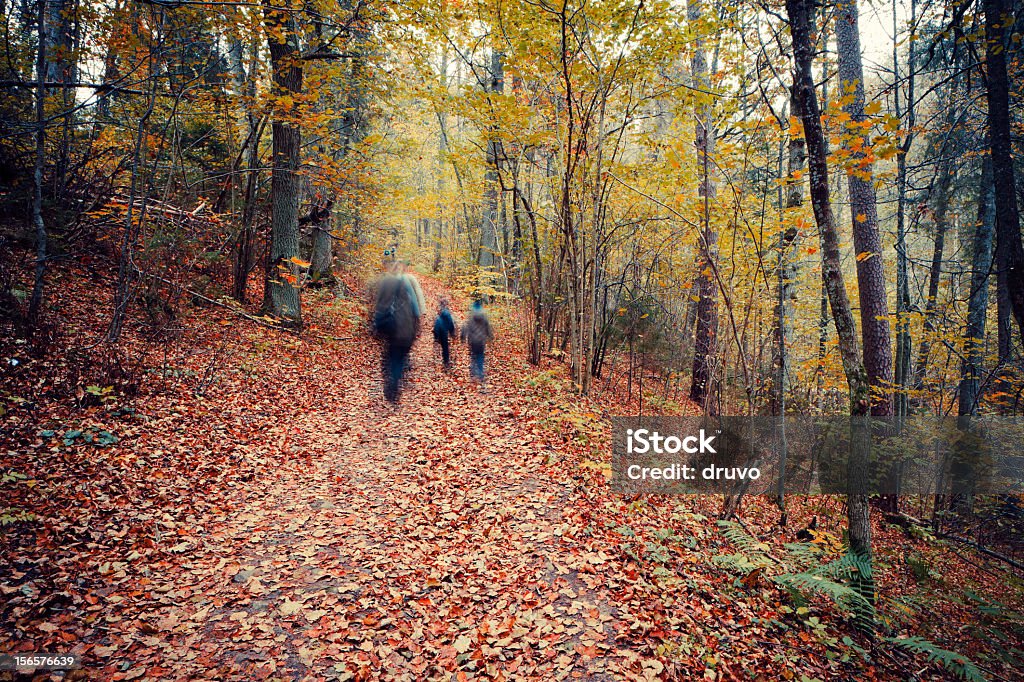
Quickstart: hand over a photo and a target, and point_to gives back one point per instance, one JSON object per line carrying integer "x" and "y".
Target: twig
{"x": 984, "y": 550}
{"x": 241, "y": 313}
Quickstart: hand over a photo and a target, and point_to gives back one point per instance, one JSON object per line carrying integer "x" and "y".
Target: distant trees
{"x": 127, "y": 107}
{"x": 610, "y": 211}
{"x": 636, "y": 173}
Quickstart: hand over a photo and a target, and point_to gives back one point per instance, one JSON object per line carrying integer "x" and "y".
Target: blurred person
{"x": 477, "y": 332}
{"x": 444, "y": 331}
{"x": 396, "y": 322}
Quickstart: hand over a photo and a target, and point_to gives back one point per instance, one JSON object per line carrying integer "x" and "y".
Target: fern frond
{"x": 850, "y": 566}
{"x": 740, "y": 563}
{"x": 958, "y": 664}
{"x": 812, "y": 584}
{"x": 804, "y": 554}
{"x": 743, "y": 541}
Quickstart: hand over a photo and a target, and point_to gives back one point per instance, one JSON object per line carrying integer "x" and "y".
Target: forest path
{"x": 423, "y": 541}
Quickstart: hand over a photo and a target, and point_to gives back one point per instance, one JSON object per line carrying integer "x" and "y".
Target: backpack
{"x": 393, "y": 319}
{"x": 384, "y": 319}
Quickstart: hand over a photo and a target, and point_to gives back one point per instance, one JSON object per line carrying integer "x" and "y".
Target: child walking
{"x": 444, "y": 330}
{"x": 476, "y": 332}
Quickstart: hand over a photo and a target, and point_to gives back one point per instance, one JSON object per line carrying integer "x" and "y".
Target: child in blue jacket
{"x": 444, "y": 330}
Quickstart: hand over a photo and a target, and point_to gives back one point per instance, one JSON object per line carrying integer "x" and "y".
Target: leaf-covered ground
{"x": 264, "y": 514}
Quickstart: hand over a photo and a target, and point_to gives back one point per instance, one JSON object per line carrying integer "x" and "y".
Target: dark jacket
{"x": 477, "y": 331}
{"x": 444, "y": 326}
{"x": 396, "y": 315}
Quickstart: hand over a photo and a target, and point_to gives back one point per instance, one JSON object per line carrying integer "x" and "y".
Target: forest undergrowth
{"x": 226, "y": 500}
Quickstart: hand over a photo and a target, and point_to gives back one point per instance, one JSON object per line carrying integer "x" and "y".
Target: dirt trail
{"x": 285, "y": 522}
{"x": 421, "y": 541}
{"x": 265, "y": 514}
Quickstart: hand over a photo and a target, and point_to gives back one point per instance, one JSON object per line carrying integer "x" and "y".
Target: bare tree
{"x": 35, "y": 303}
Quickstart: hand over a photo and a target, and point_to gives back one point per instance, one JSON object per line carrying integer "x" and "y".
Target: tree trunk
{"x": 977, "y": 303}
{"x": 941, "y": 213}
{"x": 489, "y": 223}
{"x": 355, "y": 122}
{"x": 963, "y": 473}
{"x": 442, "y": 152}
{"x": 323, "y": 245}
{"x": 133, "y": 220}
{"x": 537, "y": 283}
{"x": 705, "y": 338}
{"x": 592, "y": 256}
{"x": 904, "y": 345}
{"x": 567, "y": 224}
{"x": 858, "y": 517}
{"x": 243, "y": 250}
{"x": 1009, "y": 250}
{"x": 789, "y": 248}
{"x": 822, "y": 346}
{"x": 1004, "y": 312}
{"x": 874, "y": 308}
{"x": 36, "y": 302}
{"x": 281, "y": 294}
{"x": 789, "y": 266}
{"x": 61, "y": 34}
{"x": 835, "y": 287}
{"x": 110, "y": 74}
{"x": 245, "y": 85}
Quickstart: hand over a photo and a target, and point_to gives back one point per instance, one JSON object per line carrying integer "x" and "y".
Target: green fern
{"x": 742, "y": 540}
{"x": 850, "y": 566}
{"x": 804, "y": 554}
{"x": 903, "y": 609}
{"x": 958, "y": 664}
{"x": 741, "y": 563}
{"x": 802, "y": 585}
{"x": 803, "y": 575}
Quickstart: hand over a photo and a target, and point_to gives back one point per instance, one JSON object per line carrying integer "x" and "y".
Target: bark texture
{"x": 858, "y": 517}
{"x": 1009, "y": 250}
{"x": 281, "y": 295}
{"x": 705, "y": 337}
{"x": 867, "y": 242}
{"x": 977, "y": 303}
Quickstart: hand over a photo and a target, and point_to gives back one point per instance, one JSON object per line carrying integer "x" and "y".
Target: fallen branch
{"x": 161, "y": 207}
{"x": 984, "y": 550}
{"x": 905, "y": 521}
{"x": 265, "y": 321}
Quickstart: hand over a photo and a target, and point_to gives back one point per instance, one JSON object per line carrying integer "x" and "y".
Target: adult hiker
{"x": 396, "y": 322}
{"x": 444, "y": 330}
{"x": 476, "y": 332}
